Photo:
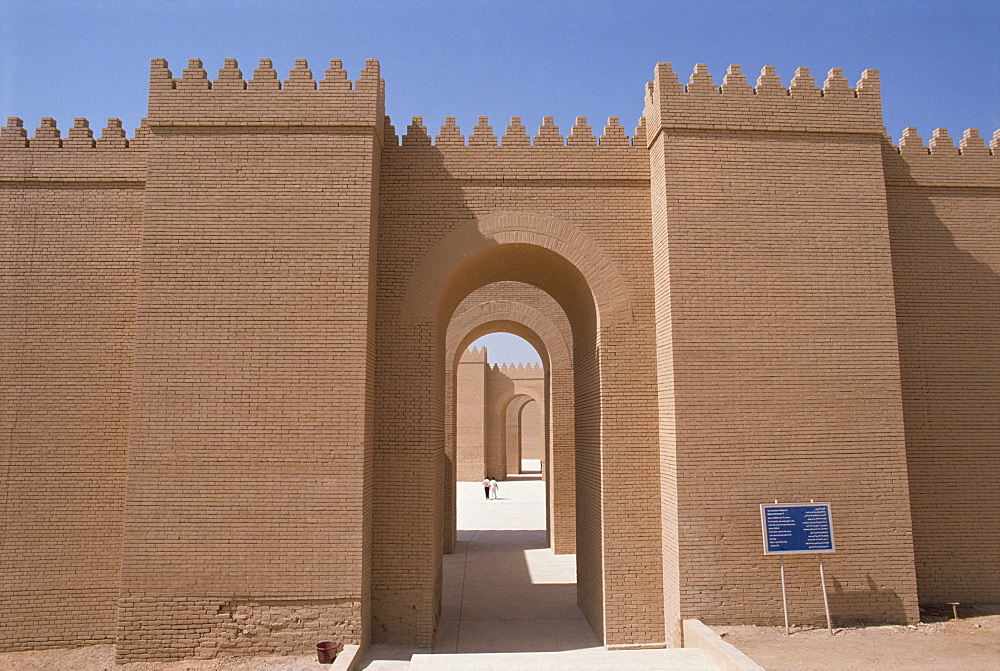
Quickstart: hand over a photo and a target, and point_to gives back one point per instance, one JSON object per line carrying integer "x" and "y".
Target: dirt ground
{"x": 971, "y": 643}
{"x": 102, "y": 658}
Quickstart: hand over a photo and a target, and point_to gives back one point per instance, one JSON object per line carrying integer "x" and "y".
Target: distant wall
{"x": 944, "y": 221}
{"x": 69, "y": 253}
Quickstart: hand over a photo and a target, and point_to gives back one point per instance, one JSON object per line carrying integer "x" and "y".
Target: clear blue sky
{"x": 940, "y": 61}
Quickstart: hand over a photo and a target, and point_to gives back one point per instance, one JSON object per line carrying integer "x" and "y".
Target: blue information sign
{"x": 796, "y": 528}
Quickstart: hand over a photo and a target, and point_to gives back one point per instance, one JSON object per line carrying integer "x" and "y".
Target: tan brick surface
{"x": 944, "y": 210}
{"x": 228, "y": 347}
{"x": 783, "y": 373}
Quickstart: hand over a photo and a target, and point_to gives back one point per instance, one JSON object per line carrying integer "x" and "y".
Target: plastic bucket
{"x": 327, "y": 651}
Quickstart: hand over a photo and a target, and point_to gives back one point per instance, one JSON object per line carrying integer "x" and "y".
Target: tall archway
{"x": 554, "y": 274}
{"x": 524, "y": 432}
{"x": 619, "y": 570}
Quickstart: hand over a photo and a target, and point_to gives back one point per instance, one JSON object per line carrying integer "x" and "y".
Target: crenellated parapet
{"x": 515, "y": 135}
{"x": 265, "y": 100}
{"x": 80, "y": 136}
{"x": 520, "y": 371}
{"x": 77, "y": 156}
{"x": 940, "y": 162}
{"x": 474, "y": 355}
{"x": 803, "y": 106}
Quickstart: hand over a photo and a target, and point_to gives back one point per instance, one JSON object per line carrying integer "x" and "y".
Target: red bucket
{"x": 327, "y": 651}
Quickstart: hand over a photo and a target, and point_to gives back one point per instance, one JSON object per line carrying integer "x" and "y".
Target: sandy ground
{"x": 102, "y": 658}
{"x": 971, "y": 643}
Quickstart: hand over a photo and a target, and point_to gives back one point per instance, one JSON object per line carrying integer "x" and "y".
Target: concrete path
{"x": 509, "y": 603}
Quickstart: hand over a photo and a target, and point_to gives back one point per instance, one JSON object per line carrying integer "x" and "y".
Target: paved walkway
{"x": 509, "y": 603}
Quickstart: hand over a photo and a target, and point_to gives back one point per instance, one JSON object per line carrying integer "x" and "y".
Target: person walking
{"x": 494, "y": 488}
{"x": 486, "y": 486}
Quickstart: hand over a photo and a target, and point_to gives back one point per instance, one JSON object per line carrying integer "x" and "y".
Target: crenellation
{"x": 516, "y": 134}
{"x": 416, "y": 134}
{"x": 942, "y": 144}
{"x": 803, "y": 84}
{"x": 972, "y": 143}
{"x": 13, "y": 135}
{"x": 160, "y": 77}
{"x": 772, "y": 107}
{"x": 335, "y": 77}
{"x": 270, "y": 291}
{"x": 299, "y": 101}
{"x": 230, "y": 77}
{"x": 735, "y": 82}
{"x": 614, "y": 134}
{"x": 581, "y": 135}
{"x": 482, "y": 134}
{"x": 265, "y": 77}
{"x": 113, "y": 135}
{"x": 389, "y": 136}
{"x": 548, "y": 134}
{"x": 194, "y": 77}
{"x": 666, "y": 81}
{"x": 46, "y": 136}
{"x": 450, "y": 135}
{"x": 371, "y": 79}
{"x": 474, "y": 354}
{"x": 140, "y": 138}
{"x": 701, "y": 81}
{"x": 869, "y": 84}
{"x": 836, "y": 84}
{"x": 80, "y": 136}
{"x": 941, "y": 164}
{"x": 300, "y": 77}
{"x": 769, "y": 83}
{"x": 639, "y": 136}
{"x": 911, "y": 143}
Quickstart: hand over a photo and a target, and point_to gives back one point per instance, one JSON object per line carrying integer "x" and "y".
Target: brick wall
{"x": 782, "y": 370}
{"x": 943, "y": 214}
{"x": 488, "y": 213}
{"x": 243, "y": 312}
{"x": 470, "y": 416}
{"x": 250, "y": 436}
{"x": 69, "y": 242}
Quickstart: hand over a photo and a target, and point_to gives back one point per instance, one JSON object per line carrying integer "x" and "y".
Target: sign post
{"x": 798, "y": 528}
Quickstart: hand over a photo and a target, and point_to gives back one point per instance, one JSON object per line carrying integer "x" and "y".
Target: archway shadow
{"x": 504, "y": 590}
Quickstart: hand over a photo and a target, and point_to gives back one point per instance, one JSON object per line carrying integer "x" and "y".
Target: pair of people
{"x": 491, "y": 487}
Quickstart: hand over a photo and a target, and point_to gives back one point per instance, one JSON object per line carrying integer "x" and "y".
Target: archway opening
{"x": 515, "y": 408}
{"x": 565, "y": 403}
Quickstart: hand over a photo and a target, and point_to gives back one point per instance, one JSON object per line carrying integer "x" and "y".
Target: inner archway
{"x": 574, "y": 467}
{"x": 529, "y": 313}
{"x": 500, "y": 413}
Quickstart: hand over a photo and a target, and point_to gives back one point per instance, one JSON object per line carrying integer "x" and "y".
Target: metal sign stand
{"x": 784, "y": 594}
{"x": 801, "y": 549}
{"x": 826, "y": 604}
{"x": 784, "y": 597}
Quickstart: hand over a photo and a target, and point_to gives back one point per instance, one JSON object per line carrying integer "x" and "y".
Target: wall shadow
{"x": 945, "y": 260}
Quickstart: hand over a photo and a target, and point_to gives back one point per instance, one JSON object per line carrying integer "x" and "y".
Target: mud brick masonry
{"x": 227, "y": 341}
